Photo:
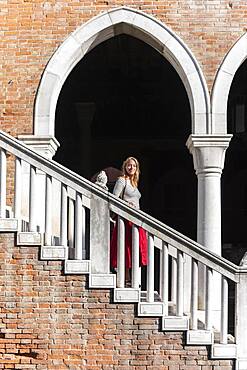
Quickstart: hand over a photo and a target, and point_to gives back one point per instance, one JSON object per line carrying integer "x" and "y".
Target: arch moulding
{"x": 232, "y": 61}
{"x": 107, "y": 25}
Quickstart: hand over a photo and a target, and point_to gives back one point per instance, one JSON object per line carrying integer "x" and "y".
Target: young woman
{"x": 126, "y": 187}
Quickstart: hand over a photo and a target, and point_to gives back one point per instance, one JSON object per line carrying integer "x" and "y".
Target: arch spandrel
{"x": 103, "y": 27}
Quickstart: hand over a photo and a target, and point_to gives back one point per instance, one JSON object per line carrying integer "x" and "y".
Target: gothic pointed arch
{"x": 117, "y": 21}
{"x": 220, "y": 92}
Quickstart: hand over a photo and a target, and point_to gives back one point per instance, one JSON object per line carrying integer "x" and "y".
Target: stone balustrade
{"x": 83, "y": 237}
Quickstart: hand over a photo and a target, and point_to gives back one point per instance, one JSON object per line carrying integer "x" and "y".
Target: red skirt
{"x": 128, "y": 245}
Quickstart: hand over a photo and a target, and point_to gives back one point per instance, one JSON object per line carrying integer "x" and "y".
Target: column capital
{"x": 209, "y": 140}
{"x": 208, "y": 152}
{"x": 45, "y": 145}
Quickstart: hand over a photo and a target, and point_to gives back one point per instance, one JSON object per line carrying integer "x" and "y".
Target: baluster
{"x": 80, "y": 227}
{"x": 208, "y": 299}
{"x": 71, "y": 224}
{"x": 180, "y": 283}
{"x": 83, "y": 231}
{"x": 194, "y": 294}
{"x": 32, "y": 199}
{"x": 135, "y": 257}
{"x": 48, "y": 210}
{"x": 120, "y": 253}
{"x": 3, "y": 168}
{"x": 174, "y": 281}
{"x": 164, "y": 276}
{"x": 161, "y": 273}
{"x": 18, "y": 188}
{"x": 63, "y": 216}
{"x": 224, "y": 310}
{"x": 150, "y": 269}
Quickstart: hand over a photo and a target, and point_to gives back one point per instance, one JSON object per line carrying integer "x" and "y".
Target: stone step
{"x": 54, "y": 252}
{"x": 199, "y": 337}
{"x": 9, "y": 225}
{"x": 29, "y": 238}
{"x": 175, "y": 323}
{"x": 103, "y": 281}
{"x": 151, "y": 309}
{"x": 226, "y": 351}
{"x": 77, "y": 267}
{"x": 126, "y": 295}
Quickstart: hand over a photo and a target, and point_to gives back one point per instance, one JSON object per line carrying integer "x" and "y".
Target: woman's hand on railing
{"x": 131, "y": 204}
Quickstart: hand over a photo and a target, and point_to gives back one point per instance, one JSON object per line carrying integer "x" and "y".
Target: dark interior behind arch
{"x": 124, "y": 98}
{"x": 234, "y": 179}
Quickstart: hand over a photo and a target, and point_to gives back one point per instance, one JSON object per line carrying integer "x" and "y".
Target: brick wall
{"x": 49, "y": 320}
{"x": 32, "y": 30}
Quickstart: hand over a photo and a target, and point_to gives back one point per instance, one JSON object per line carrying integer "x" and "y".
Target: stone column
{"x": 208, "y": 156}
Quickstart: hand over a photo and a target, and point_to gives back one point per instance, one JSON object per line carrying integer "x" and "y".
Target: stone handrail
{"x": 48, "y": 166}
{"x": 176, "y": 239}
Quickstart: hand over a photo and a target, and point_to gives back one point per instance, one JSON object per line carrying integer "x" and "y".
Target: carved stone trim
{"x": 45, "y": 145}
{"x": 208, "y": 152}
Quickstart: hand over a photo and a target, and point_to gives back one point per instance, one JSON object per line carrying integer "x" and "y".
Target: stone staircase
{"x": 169, "y": 321}
{"x": 69, "y": 221}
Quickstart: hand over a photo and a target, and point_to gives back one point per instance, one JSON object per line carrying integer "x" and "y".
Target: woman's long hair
{"x": 135, "y": 179}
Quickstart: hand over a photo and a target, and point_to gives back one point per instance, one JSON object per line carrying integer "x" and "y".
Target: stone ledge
{"x": 199, "y": 337}
{"x": 9, "y": 224}
{"x": 225, "y": 351}
{"x": 77, "y": 267}
{"x": 102, "y": 281}
{"x": 126, "y": 295}
{"x": 151, "y": 309}
{"x": 57, "y": 252}
{"x": 29, "y": 238}
{"x": 174, "y": 323}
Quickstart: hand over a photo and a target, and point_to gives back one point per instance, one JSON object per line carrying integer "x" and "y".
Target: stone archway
{"x": 233, "y": 60}
{"x": 207, "y": 147}
{"x": 229, "y": 85}
{"x": 107, "y": 25}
